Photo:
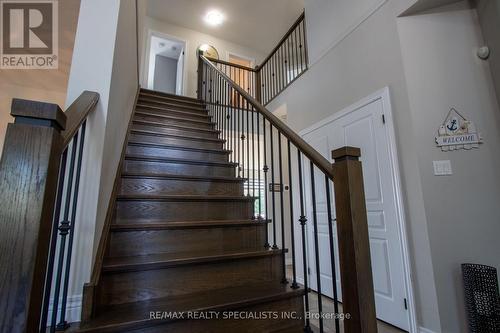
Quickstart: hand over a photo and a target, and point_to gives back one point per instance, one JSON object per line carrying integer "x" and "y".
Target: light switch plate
{"x": 442, "y": 168}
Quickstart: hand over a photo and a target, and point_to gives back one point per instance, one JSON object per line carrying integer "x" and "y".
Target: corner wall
{"x": 429, "y": 63}
{"x": 105, "y": 61}
{"x": 364, "y": 59}
{"x": 442, "y": 71}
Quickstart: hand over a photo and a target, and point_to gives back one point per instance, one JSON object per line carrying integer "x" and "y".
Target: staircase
{"x": 184, "y": 237}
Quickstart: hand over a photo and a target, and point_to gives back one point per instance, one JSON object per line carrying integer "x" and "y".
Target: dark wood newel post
{"x": 200, "y": 75}
{"x": 354, "y": 247}
{"x": 258, "y": 84}
{"x": 29, "y": 171}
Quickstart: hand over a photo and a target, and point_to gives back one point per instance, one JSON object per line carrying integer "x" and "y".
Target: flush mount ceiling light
{"x": 214, "y": 18}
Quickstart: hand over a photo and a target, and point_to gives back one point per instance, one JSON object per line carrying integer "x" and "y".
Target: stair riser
{"x": 184, "y": 210}
{"x": 178, "y": 168}
{"x": 172, "y": 113}
{"x": 173, "y": 106}
{"x": 280, "y": 325}
{"x": 176, "y": 131}
{"x": 232, "y": 238}
{"x": 177, "y": 153}
{"x": 180, "y": 187}
{"x": 175, "y": 100}
{"x": 124, "y": 287}
{"x": 176, "y": 141}
{"x": 175, "y": 121}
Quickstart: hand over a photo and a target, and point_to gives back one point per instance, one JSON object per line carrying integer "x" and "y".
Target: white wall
{"x": 367, "y": 59}
{"x": 165, "y": 76}
{"x": 443, "y": 71}
{"x": 429, "y": 64}
{"x": 104, "y": 60}
{"x": 489, "y": 17}
{"x": 194, "y": 39}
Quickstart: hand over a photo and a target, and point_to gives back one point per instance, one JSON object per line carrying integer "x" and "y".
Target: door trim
{"x": 149, "y": 34}
{"x": 384, "y": 96}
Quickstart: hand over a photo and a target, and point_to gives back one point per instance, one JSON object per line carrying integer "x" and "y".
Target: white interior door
{"x": 363, "y": 127}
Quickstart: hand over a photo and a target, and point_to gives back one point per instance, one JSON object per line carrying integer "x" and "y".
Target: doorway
{"x": 165, "y": 67}
{"x": 367, "y": 125}
{"x": 240, "y": 77}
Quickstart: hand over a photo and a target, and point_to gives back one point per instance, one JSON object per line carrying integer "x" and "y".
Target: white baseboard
{"x": 424, "y": 330}
{"x": 73, "y": 309}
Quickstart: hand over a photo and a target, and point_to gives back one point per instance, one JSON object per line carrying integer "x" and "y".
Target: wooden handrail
{"x": 77, "y": 112}
{"x": 322, "y": 163}
{"x": 285, "y": 36}
{"x": 223, "y": 62}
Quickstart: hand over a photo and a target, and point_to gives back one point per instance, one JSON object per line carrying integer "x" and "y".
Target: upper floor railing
{"x": 284, "y": 64}
{"x": 268, "y": 154}
{"x": 39, "y": 181}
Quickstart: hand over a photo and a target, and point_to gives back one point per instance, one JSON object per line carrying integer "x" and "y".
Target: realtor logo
{"x": 29, "y": 34}
{"x": 457, "y": 133}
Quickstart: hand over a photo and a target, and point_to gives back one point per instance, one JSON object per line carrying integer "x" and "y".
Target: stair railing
{"x": 284, "y": 64}
{"x": 266, "y": 151}
{"x": 39, "y": 181}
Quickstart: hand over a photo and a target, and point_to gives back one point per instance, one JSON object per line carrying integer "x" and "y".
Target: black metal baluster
{"x": 64, "y": 228}
{"x": 292, "y": 229}
{"x": 316, "y": 247}
{"x": 242, "y": 136}
{"x": 253, "y": 159}
{"x": 304, "y": 51}
{"x": 287, "y": 61}
{"x": 53, "y": 242}
{"x": 273, "y": 199}
{"x": 282, "y": 207}
{"x": 296, "y": 46}
{"x": 62, "y": 321}
{"x": 248, "y": 147}
{"x": 303, "y": 220}
{"x": 332, "y": 252}
{"x": 258, "y": 165}
{"x": 266, "y": 169}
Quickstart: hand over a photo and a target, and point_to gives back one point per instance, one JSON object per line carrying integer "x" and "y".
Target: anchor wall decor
{"x": 457, "y": 133}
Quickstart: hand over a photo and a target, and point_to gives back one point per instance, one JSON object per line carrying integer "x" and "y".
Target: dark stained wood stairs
{"x": 184, "y": 236}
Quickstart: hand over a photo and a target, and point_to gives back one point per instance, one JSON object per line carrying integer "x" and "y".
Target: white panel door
{"x": 364, "y": 128}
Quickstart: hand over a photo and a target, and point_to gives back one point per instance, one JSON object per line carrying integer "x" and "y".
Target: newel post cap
{"x": 38, "y": 112}
{"x": 347, "y": 152}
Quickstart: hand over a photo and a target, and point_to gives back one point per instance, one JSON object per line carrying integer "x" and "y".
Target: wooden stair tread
{"x": 159, "y": 225}
{"x": 179, "y": 136}
{"x": 204, "y": 122}
{"x": 119, "y": 318}
{"x": 186, "y": 177}
{"x": 186, "y": 128}
{"x": 158, "y": 197}
{"x": 178, "y": 147}
{"x": 177, "y": 160}
{"x": 165, "y": 260}
{"x": 201, "y": 114}
{"x": 172, "y": 103}
{"x": 149, "y": 92}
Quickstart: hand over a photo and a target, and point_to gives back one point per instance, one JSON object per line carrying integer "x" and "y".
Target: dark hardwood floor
{"x": 184, "y": 236}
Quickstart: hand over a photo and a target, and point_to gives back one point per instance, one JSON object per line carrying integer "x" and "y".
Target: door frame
{"x": 145, "y": 68}
{"x": 384, "y": 96}
{"x": 244, "y": 57}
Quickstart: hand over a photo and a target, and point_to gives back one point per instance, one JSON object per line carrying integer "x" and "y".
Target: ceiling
{"x": 166, "y": 48}
{"x": 257, "y": 24}
{"x": 424, "y": 5}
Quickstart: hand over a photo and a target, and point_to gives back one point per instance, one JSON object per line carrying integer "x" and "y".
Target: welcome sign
{"x": 457, "y": 133}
